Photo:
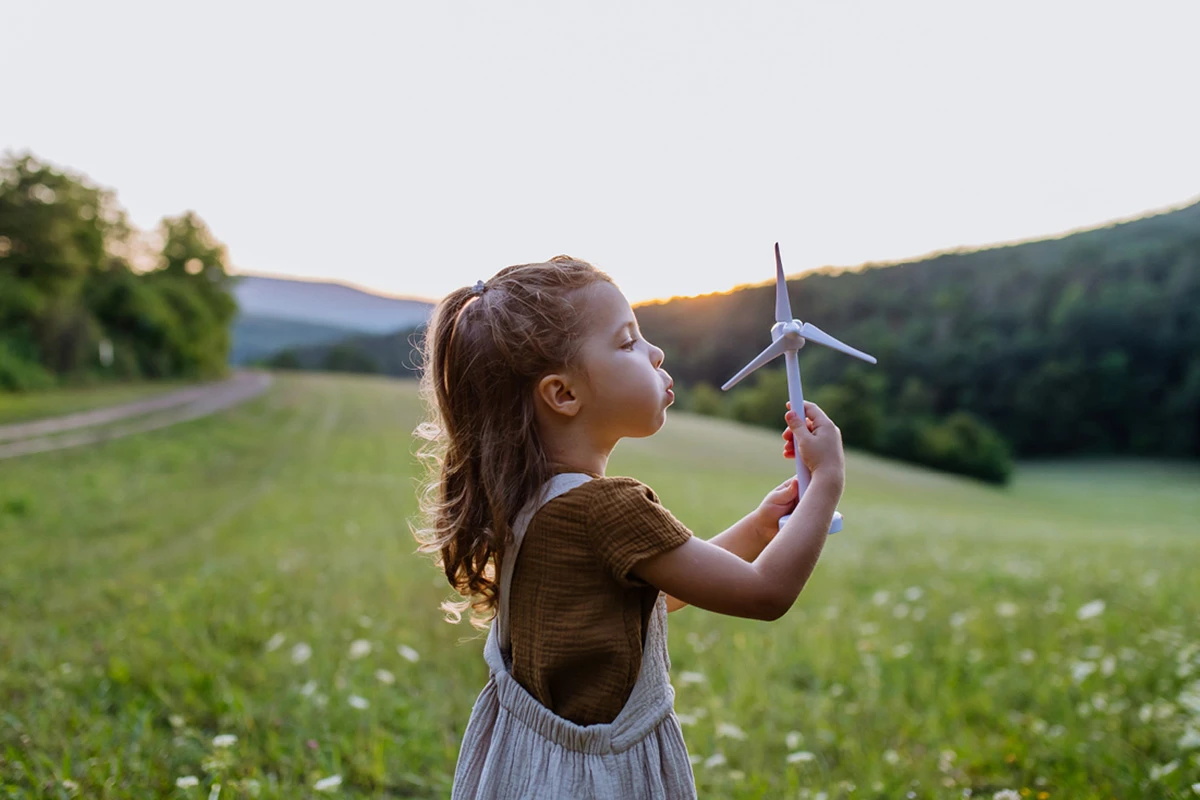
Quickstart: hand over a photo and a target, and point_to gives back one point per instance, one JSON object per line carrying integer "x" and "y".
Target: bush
{"x": 962, "y": 443}
{"x": 703, "y": 398}
{"x": 21, "y": 373}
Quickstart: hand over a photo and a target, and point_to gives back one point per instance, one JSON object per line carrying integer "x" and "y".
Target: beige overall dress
{"x": 514, "y": 747}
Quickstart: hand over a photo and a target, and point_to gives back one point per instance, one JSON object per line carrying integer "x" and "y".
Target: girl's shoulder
{"x": 614, "y": 488}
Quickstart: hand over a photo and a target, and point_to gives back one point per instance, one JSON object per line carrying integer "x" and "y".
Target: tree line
{"x": 85, "y": 296}
{"x": 1085, "y": 345}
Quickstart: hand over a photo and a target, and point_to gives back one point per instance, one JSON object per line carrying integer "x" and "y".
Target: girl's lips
{"x": 671, "y": 395}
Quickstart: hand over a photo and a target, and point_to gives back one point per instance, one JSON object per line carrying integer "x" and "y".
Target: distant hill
{"x": 394, "y": 354}
{"x": 276, "y": 314}
{"x": 257, "y": 337}
{"x": 1086, "y": 343}
{"x": 330, "y": 304}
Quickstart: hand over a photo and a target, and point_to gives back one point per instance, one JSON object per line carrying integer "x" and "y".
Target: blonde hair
{"x": 482, "y": 357}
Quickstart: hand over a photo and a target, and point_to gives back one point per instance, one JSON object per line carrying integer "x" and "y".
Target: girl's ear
{"x": 558, "y": 393}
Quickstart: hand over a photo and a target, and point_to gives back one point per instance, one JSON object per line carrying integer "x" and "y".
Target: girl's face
{"x": 627, "y": 390}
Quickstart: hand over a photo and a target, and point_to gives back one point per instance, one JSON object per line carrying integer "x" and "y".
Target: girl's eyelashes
{"x": 629, "y": 345}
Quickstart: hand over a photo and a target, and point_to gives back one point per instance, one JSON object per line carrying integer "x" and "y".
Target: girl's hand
{"x": 779, "y": 501}
{"x": 820, "y": 441}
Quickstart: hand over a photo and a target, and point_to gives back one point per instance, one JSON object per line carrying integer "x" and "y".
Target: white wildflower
{"x": 688, "y": 678}
{"x": 224, "y": 740}
{"x": 187, "y": 781}
{"x": 918, "y": 613}
{"x": 308, "y": 688}
{"x": 176, "y": 720}
{"x": 1007, "y": 794}
{"x": 902, "y": 650}
{"x": 1163, "y": 770}
{"x": 1026, "y": 656}
{"x": 958, "y": 619}
{"x": 1189, "y": 698}
{"x": 891, "y": 757}
{"x": 913, "y": 593}
{"x": 1007, "y": 609}
{"x": 793, "y": 739}
{"x": 360, "y": 703}
{"x": 695, "y": 758}
{"x": 868, "y": 629}
{"x": 329, "y": 784}
{"x": 880, "y": 598}
{"x": 730, "y": 730}
{"x": 715, "y": 760}
{"x": 800, "y": 757}
{"x": 408, "y": 654}
{"x": 1196, "y": 787}
{"x": 275, "y": 642}
{"x": 1080, "y": 670}
{"x": 686, "y": 719}
{"x": 900, "y": 611}
{"x": 360, "y": 648}
{"x": 301, "y": 652}
{"x": 365, "y": 621}
{"x": 1108, "y": 665}
{"x": 383, "y": 676}
{"x": 1190, "y": 739}
{"x": 1090, "y": 610}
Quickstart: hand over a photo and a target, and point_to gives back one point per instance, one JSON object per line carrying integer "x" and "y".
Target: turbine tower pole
{"x": 796, "y": 395}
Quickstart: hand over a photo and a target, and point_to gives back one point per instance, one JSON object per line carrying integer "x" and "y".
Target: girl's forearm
{"x": 788, "y": 561}
{"x": 746, "y": 538}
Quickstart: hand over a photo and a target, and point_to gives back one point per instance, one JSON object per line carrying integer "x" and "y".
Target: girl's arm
{"x": 746, "y": 538}
{"x": 705, "y": 575}
{"x": 712, "y": 577}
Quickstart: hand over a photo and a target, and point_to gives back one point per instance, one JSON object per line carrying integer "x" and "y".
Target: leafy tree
{"x": 67, "y": 283}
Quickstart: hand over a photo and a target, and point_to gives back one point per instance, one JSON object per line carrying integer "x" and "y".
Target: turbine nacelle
{"x": 782, "y": 329}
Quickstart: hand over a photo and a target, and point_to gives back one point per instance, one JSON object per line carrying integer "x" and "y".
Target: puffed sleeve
{"x": 627, "y": 524}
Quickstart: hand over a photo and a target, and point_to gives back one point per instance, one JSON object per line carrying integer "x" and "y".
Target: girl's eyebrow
{"x": 624, "y": 325}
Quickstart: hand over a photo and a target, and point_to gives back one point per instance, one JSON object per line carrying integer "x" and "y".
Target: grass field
{"x": 236, "y": 601}
{"x": 19, "y": 407}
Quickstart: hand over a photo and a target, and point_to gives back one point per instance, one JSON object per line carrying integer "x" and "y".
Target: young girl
{"x": 531, "y": 379}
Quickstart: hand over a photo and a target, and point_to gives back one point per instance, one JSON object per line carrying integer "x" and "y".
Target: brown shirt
{"x": 578, "y": 617}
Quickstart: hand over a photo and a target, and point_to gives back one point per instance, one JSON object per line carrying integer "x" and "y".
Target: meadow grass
{"x": 237, "y": 601}
{"x": 23, "y": 406}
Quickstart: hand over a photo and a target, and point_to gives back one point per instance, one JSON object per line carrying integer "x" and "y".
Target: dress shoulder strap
{"x": 559, "y": 484}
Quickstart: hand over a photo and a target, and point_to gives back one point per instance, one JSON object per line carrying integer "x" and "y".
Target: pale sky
{"x": 412, "y": 148}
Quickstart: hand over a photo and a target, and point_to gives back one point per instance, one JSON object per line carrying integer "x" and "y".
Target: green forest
{"x": 86, "y": 297}
{"x": 1088, "y": 344}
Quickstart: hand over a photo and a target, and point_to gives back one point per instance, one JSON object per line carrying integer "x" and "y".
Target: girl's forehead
{"x": 604, "y": 308}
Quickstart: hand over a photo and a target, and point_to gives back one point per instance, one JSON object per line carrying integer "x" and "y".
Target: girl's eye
{"x": 629, "y": 345}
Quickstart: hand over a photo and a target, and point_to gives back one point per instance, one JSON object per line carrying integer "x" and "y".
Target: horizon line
{"x": 826, "y": 269}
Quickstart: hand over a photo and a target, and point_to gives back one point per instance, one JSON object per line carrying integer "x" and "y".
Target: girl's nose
{"x": 657, "y": 355}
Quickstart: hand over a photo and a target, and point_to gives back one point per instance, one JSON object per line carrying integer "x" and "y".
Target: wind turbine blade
{"x": 776, "y": 349}
{"x": 815, "y": 334}
{"x": 783, "y": 307}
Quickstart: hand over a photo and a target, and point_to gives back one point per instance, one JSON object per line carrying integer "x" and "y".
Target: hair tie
{"x": 478, "y": 288}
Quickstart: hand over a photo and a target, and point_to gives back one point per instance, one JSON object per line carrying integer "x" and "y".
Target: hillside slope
{"x": 327, "y": 303}
{"x": 1088, "y": 343}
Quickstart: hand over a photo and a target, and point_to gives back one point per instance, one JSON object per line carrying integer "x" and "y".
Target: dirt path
{"x": 74, "y": 430}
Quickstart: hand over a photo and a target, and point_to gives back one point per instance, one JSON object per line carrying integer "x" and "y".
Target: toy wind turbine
{"x": 789, "y": 335}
